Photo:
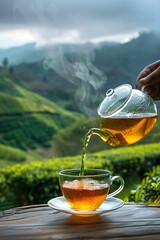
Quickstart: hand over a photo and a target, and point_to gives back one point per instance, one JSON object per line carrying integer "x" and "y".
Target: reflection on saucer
{"x": 108, "y": 205}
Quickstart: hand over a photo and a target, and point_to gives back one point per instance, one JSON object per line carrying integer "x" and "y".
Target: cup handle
{"x": 120, "y": 187}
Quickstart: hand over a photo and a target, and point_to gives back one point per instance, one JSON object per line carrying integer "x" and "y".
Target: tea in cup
{"x": 87, "y": 191}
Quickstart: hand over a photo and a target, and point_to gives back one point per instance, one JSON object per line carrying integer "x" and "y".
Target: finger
{"x": 154, "y": 66}
{"x": 151, "y": 79}
{"x": 140, "y": 81}
{"x": 153, "y": 91}
{"x": 147, "y": 70}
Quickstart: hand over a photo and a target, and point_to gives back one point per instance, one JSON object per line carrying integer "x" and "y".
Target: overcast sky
{"x": 51, "y": 21}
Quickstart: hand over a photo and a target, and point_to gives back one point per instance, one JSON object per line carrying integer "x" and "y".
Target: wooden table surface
{"x": 41, "y": 222}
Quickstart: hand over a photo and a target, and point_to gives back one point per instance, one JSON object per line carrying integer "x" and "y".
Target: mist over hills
{"x": 120, "y": 63}
{"x": 138, "y": 52}
{"x": 146, "y": 44}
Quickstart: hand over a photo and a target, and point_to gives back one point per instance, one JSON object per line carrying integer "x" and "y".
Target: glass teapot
{"x": 126, "y": 114}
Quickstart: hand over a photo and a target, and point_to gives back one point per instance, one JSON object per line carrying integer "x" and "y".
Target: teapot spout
{"x": 106, "y": 136}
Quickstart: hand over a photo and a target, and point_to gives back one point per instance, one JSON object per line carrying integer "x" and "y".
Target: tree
{"x": 5, "y": 62}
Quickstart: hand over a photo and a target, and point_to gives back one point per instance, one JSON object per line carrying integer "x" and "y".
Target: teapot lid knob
{"x": 110, "y": 92}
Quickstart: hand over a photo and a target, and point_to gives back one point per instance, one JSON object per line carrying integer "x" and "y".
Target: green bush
{"x": 130, "y": 160}
{"x": 34, "y": 183}
{"x": 38, "y": 182}
{"x": 149, "y": 190}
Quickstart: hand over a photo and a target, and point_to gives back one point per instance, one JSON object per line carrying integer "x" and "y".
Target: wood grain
{"x": 41, "y": 222}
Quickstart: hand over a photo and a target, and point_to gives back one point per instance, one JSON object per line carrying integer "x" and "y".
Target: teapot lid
{"x": 114, "y": 100}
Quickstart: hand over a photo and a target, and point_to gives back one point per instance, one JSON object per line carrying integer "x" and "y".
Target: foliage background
{"x": 43, "y": 121}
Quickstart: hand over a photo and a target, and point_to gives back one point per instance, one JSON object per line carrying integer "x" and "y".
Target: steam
{"x": 75, "y": 63}
{"x": 78, "y": 68}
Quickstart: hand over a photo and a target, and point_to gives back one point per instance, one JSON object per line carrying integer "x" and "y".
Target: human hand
{"x": 149, "y": 80}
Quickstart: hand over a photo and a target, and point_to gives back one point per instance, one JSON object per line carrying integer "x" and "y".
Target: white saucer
{"x": 108, "y": 205}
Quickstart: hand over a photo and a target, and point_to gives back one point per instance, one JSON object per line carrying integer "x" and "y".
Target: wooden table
{"x": 41, "y": 222}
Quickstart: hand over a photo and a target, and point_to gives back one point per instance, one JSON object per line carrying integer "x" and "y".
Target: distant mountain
{"x": 121, "y": 63}
{"x": 143, "y": 48}
{"x": 30, "y": 53}
{"x": 25, "y": 53}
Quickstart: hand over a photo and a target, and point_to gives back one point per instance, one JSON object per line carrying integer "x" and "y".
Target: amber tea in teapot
{"x": 127, "y": 114}
{"x": 127, "y": 130}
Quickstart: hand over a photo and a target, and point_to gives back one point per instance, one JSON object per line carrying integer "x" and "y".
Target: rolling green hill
{"x": 48, "y": 126}
{"x": 35, "y": 128}
{"x": 28, "y": 122}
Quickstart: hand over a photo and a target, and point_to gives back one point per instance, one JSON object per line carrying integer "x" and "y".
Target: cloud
{"x": 75, "y": 21}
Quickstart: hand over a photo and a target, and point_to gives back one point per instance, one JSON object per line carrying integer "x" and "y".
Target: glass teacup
{"x": 87, "y": 191}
